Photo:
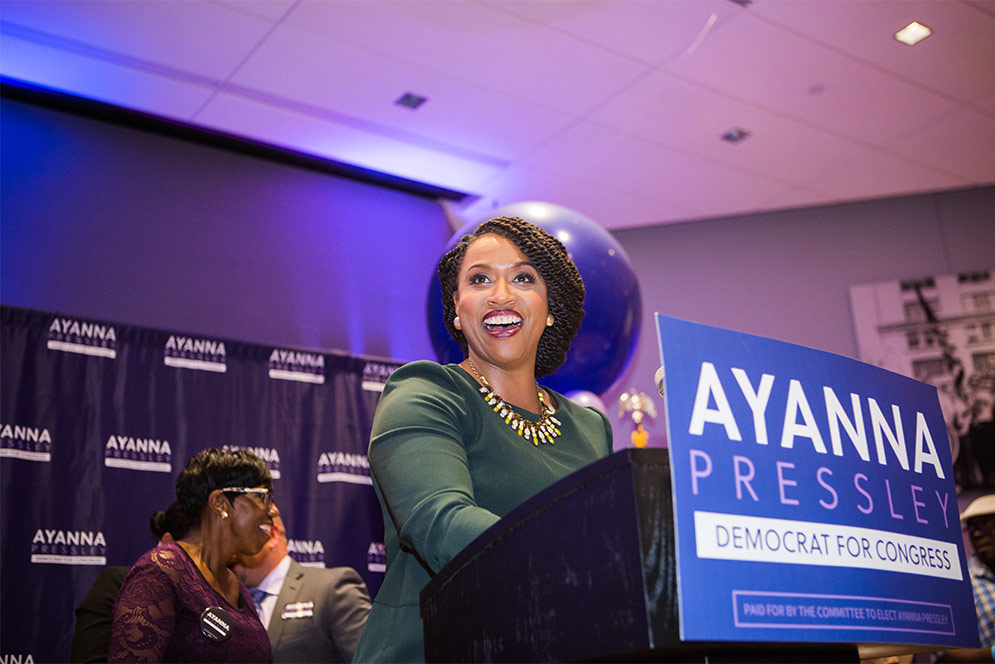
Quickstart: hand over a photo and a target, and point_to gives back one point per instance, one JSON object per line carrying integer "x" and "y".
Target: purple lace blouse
{"x": 157, "y": 616}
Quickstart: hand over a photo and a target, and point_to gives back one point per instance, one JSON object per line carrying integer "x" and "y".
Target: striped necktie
{"x": 258, "y": 595}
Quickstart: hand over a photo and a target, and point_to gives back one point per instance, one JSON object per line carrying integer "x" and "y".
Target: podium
{"x": 583, "y": 571}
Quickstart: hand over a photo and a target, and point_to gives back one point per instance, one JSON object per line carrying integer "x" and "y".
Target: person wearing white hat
{"x": 979, "y": 522}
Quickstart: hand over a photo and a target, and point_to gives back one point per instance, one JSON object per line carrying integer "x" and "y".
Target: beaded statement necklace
{"x": 545, "y": 430}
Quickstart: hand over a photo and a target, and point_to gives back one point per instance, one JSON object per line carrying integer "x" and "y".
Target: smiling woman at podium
{"x": 456, "y": 447}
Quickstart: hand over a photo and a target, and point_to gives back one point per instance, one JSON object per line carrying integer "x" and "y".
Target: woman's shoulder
{"x": 422, "y": 392}
{"x": 425, "y": 374}
{"x": 166, "y": 559}
{"x": 423, "y": 368}
{"x": 156, "y": 575}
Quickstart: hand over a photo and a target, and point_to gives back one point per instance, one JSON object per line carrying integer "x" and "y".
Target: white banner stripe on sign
{"x": 133, "y": 464}
{"x": 762, "y": 539}
{"x": 351, "y": 478}
{"x": 299, "y": 376}
{"x": 27, "y": 455}
{"x": 67, "y": 560}
{"x": 83, "y": 349}
{"x": 200, "y": 365}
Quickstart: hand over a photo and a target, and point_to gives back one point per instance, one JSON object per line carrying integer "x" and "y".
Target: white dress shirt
{"x": 272, "y": 585}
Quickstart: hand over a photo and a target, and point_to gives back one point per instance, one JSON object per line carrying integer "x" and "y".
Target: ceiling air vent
{"x": 735, "y": 135}
{"x": 411, "y": 101}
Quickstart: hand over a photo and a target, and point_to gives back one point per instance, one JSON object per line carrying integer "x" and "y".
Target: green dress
{"x": 446, "y": 467}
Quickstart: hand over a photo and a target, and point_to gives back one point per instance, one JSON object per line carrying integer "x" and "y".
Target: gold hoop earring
{"x": 224, "y": 514}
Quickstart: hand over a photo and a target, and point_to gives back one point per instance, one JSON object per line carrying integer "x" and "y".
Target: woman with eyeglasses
{"x": 180, "y": 602}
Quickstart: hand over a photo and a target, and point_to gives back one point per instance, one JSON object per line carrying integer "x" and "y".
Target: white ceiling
{"x": 613, "y": 108}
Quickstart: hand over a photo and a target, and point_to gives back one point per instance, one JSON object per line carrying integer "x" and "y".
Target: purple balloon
{"x": 585, "y": 398}
{"x": 607, "y": 338}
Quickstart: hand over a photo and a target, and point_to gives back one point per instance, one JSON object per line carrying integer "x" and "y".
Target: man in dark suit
{"x": 92, "y": 636}
{"x": 312, "y": 614}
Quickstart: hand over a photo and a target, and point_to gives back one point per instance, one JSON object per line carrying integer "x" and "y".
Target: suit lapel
{"x": 288, "y": 593}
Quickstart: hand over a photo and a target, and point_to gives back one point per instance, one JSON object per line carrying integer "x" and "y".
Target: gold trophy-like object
{"x": 640, "y": 406}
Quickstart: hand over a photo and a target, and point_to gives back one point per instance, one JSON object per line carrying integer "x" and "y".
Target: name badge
{"x": 297, "y": 610}
{"x": 215, "y": 623}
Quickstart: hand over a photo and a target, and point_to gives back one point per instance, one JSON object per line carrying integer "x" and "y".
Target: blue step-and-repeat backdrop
{"x": 97, "y": 420}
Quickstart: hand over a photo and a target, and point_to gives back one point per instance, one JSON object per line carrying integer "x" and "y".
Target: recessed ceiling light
{"x": 735, "y": 135}
{"x": 913, "y": 33}
{"x": 410, "y": 100}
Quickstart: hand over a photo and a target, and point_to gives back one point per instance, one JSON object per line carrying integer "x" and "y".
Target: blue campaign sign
{"x": 813, "y": 495}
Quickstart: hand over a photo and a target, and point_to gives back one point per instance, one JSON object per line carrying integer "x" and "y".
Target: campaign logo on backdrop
{"x": 199, "y": 354}
{"x": 344, "y": 467}
{"x": 23, "y": 442}
{"x": 375, "y": 375}
{"x": 68, "y": 547}
{"x": 76, "y": 336}
{"x": 269, "y": 456}
{"x": 11, "y": 658}
{"x": 145, "y": 454}
{"x": 308, "y": 553}
{"x": 297, "y": 365}
{"x": 376, "y": 557}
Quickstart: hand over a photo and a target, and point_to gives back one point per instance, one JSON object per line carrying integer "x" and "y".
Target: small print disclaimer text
{"x": 802, "y": 610}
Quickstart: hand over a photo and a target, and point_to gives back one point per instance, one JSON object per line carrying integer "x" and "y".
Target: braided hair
{"x": 564, "y": 287}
